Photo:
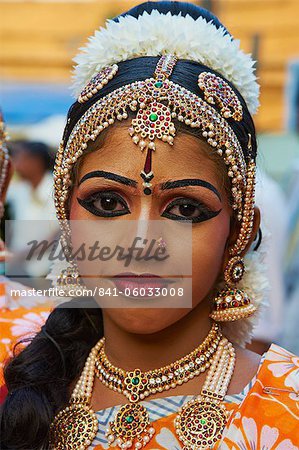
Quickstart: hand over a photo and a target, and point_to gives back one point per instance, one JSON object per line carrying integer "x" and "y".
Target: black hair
{"x": 37, "y": 149}
{"x": 177, "y": 8}
{"x": 38, "y": 379}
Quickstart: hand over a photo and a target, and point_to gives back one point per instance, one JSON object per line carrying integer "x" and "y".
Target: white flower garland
{"x": 155, "y": 34}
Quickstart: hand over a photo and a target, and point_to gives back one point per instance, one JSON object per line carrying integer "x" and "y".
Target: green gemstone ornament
{"x": 153, "y": 117}
{"x": 129, "y": 419}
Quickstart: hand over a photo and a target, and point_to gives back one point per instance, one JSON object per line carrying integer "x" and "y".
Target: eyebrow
{"x": 109, "y": 176}
{"x": 190, "y": 182}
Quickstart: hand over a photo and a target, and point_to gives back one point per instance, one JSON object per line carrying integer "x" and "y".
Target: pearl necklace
{"x": 200, "y": 422}
{"x": 131, "y": 426}
{"x": 75, "y": 427}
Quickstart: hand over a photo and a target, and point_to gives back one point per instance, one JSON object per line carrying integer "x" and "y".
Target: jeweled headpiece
{"x": 157, "y": 101}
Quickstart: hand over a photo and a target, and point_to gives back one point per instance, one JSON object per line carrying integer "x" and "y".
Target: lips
{"x": 140, "y": 285}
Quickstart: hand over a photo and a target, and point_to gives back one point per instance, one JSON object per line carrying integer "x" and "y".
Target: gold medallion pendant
{"x": 131, "y": 427}
{"x": 200, "y": 423}
{"x": 74, "y": 428}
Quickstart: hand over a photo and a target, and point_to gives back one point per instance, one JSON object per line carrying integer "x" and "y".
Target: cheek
{"x": 209, "y": 241}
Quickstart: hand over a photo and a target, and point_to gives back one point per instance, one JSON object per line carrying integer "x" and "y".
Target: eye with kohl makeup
{"x": 187, "y": 209}
{"x": 105, "y": 204}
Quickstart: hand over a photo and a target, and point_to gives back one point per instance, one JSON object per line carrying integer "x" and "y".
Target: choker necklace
{"x": 131, "y": 426}
{"x": 199, "y": 423}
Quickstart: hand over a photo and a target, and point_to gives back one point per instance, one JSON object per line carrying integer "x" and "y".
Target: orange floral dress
{"x": 264, "y": 416}
{"x": 20, "y": 318}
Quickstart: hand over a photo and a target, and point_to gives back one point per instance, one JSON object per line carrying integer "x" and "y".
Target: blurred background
{"x": 38, "y": 41}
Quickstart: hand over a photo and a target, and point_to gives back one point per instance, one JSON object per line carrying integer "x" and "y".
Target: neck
{"x": 150, "y": 351}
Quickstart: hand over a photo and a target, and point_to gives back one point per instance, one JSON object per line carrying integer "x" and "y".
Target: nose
{"x": 147, "y": 219}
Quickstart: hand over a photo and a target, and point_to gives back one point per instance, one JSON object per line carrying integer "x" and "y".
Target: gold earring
{"x": 68, "y": 281}
{"x": 232, "y": 303}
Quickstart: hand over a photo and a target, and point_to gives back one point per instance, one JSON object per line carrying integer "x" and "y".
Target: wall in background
{"x": 40, "y": 38}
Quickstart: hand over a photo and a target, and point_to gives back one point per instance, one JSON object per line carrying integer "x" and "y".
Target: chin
{"x": 145, "y": 321}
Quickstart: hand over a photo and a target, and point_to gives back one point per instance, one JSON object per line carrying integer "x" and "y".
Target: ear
{"x": 235, "y": 230}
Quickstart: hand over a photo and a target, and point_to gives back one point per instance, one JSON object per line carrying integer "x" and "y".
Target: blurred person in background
{"x": 274, "y": 226}
{"x": 32, "y": 186}
{"x": 290, "y": 335}
{"x": 20, "y": 317}
{"x": 31, "y": 201}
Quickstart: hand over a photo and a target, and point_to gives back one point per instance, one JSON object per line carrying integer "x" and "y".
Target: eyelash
{"x": 88, "y": 203}
{"x": 205, "y": 212}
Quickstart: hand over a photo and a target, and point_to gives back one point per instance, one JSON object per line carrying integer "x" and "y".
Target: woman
{"x": 161, "y": 377}
{"x": 20, "y": 316}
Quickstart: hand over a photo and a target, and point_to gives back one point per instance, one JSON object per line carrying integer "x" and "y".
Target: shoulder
{"x": 280, "y": 368}
{"x": 269, "y": 413}
{"x": 273, "y": 399}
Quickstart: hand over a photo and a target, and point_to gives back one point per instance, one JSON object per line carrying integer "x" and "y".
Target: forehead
{"x": 188, "y": 157}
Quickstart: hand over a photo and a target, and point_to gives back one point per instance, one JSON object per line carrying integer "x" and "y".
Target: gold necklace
{"x": 139, "y": 385}
{"x": 75, "y": 427}
{"x": 132, "y": 425}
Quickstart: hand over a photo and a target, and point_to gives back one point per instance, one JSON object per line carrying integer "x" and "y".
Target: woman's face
{"x": 116, "y": 201}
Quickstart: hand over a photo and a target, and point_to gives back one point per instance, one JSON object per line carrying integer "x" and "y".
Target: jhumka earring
{"x": 232, "y": 303}
{"x": 68, "y": 280}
